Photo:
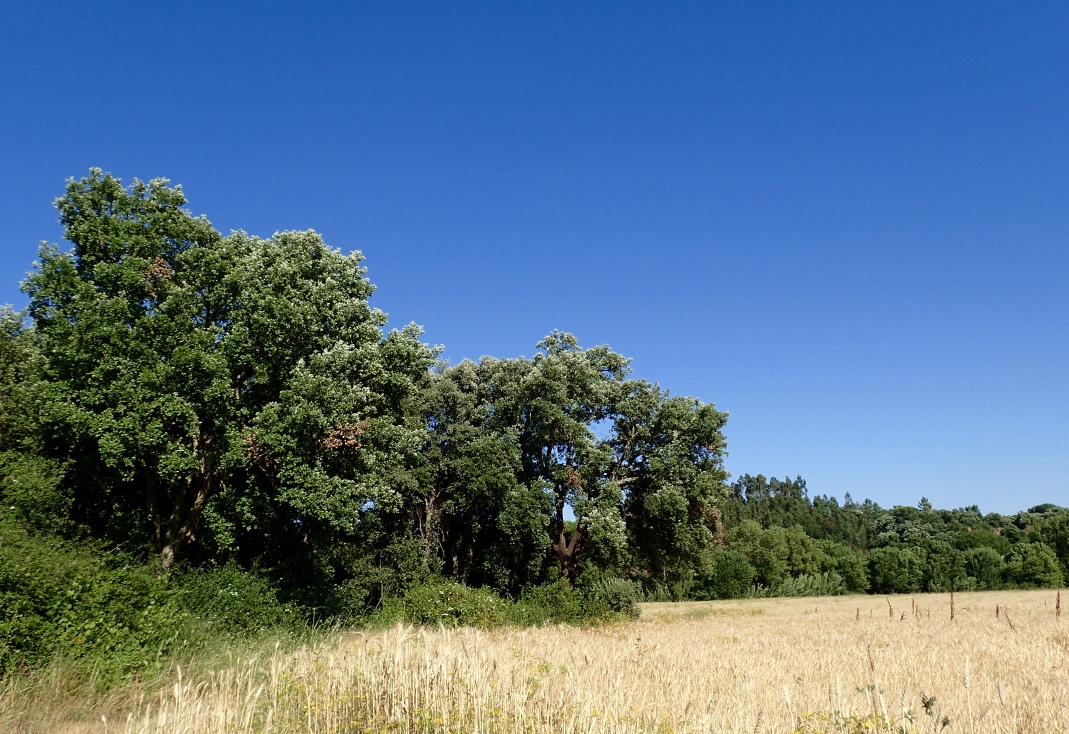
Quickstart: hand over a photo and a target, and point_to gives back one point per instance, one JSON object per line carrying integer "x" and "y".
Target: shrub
{"x": 609, "y": 596}
{"x": 731, "y": 576}
{"x": 440, "y": 601}
{"x": 757, "y": 591}
{"x": 103, "y": 612}
{"x": 657, "y": 591}
{"x": 232, "y": 600}
{"x": 32, "y": 492}
{"x": 444, "y": 602}
{"x": 1033, "y": 564}
{"x": 828, "y": 583}
{"x": 554, "y": 603}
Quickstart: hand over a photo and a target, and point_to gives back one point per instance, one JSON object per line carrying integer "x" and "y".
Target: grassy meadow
{"x": 834, "y": 664}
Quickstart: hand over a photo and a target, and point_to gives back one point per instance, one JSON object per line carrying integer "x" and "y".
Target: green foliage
{"x": 101, "y": 611}
{"x": 551, "y": 603}
{"x": 729, "y": 576}
{"x": 827, "y": 583}
{"x": 186, "y": 374}
{"x": 766, "y": 549}
{"x": 31, "y": 485}
{"x": 512, "y": 443}
{"x": 612, "y": 595}
{"x": 1033, "y": 565}
{"x": 944, "y": 567}
{"x": 804, "y": 555}
{"x": 850, "y": 565}
{"x": 206, "y": 435}
{"x": 981, "y": 537}
{"x": 549, "y": 405}
{"x": 657, "y": 591}
{"x": 821, "y": 584}
{"x": 895, "y": 570}
{"x": 668, "y": 453}
{"x": 111, "y": 616}
{"x": 984, "y": 565}
{"x": 901, "y": 549}
{"x": 31, "y": 488}
{"x": 447, "y": 603}
{"x": 232, "y": 600}
{"x": 1052, "y": 529}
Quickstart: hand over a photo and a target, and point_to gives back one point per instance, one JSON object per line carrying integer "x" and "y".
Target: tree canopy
{"x": 189, "y": 375}
{"x": 219, "y": 397}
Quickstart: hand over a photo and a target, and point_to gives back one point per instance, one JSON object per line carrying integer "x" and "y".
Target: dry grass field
{"x": 845, "y": 664}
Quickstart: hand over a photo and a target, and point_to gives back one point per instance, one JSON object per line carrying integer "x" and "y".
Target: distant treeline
{"x": 779, "y": 539}
{"x": 202, "y": 433}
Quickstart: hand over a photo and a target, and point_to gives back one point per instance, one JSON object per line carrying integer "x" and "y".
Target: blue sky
{"x": 845, "y": 223}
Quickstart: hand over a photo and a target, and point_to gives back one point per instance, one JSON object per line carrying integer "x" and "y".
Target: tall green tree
{"x": 985, "y": 566}
{"x": 641, "y": 470}
{"x": 668, "y": 465}
{"x": 551, "y": 403}
{"x": 188, "y": 373}
{"x": 896, "y": 570}
{"x": 1053, "y": 530}
{"x": 766, "y": 549}
{"x": 486, "y": 525}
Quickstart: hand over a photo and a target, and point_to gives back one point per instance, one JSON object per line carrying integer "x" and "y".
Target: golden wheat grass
{"x": 846, "y": 664}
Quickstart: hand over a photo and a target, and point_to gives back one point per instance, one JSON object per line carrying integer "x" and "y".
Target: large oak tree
{"x": 189, "y": 373}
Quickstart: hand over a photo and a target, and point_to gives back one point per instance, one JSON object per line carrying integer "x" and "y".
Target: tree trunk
{"x": 431, "y": 526}
{"x": 173, "y": 518}
{"x": 567, "y": 551}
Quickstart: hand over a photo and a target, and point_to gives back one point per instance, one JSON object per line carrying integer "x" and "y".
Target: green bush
{"x": 440, "y": 601}
{"x": 232, "y": 600}
{"x": 554, "y": 603}
{"x": 101, "y": 611}
{"x": 611, "y": 596}
{"x": 1032, "y": 565}
{"x": 448, "y": 603}
{"x": 109, "y": 616}
{"x": 757, "y": 591}
{"x": 828, "y": 583}
{"x": 32, "y": 493}
{"x": 730, "y": 578}
{"x": 656, "y": 591}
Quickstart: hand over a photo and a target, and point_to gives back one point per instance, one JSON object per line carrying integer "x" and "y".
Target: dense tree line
{"x": 777, "y": 533}
{"x": 201, "y": 406}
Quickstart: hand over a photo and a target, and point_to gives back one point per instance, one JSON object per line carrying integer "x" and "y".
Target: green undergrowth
{"x": 100, "y": 615}
{"x": 450, "y": 604}
{"x": 828, "y": 583}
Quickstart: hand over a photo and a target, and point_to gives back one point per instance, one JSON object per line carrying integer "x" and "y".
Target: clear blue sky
{"x": 845, "y": 223}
